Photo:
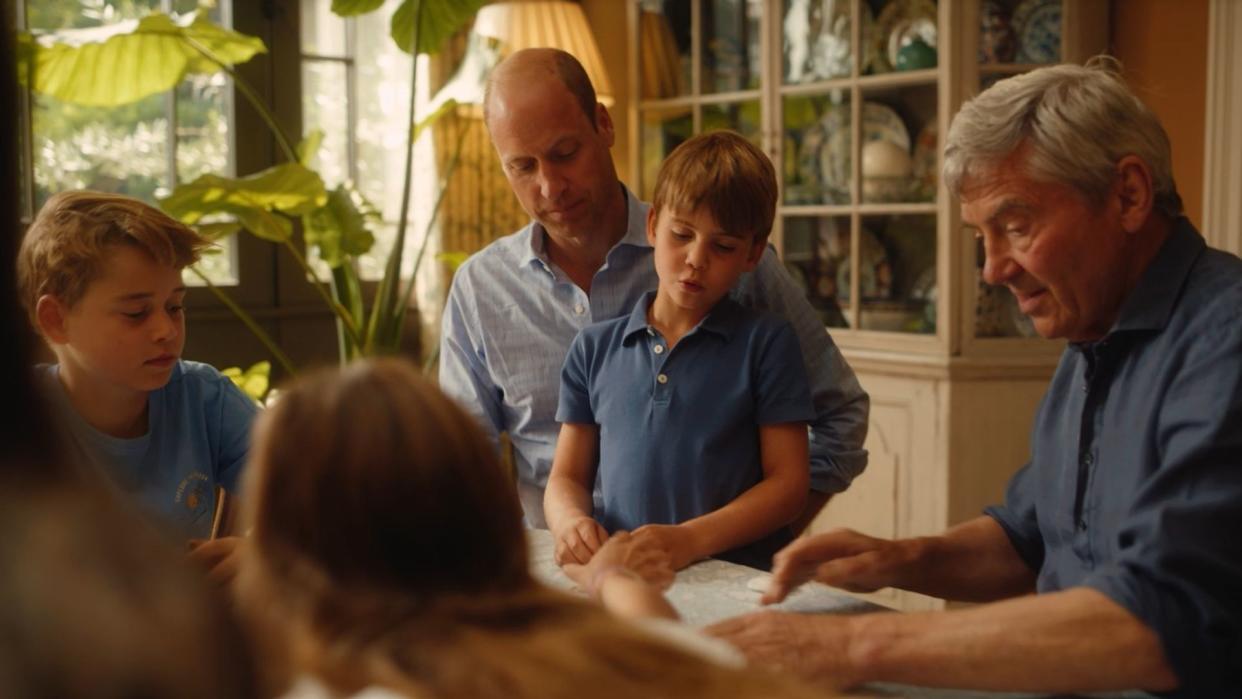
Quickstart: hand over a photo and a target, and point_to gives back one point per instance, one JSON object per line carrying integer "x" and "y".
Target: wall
{"x": 1163, "y": 45}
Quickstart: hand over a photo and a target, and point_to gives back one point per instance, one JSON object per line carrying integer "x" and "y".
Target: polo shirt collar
{"x": 1151, "y": 303}
{"x": 723, "y": 320}
{"x": 533, "y": 238}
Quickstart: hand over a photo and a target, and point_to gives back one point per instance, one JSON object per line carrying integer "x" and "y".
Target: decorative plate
{"x": 1037, "y": 24}
{"x": 880, "y": 121}
{"x": 875, "y": 280}
{"x": 876, "y": 37}
{"x": 824, "y": 158}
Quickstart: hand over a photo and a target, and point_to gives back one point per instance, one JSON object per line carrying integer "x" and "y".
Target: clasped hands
{"x": 653, "y": 551}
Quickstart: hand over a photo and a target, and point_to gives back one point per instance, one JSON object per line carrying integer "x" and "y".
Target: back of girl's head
{"x": 367, "y": 483}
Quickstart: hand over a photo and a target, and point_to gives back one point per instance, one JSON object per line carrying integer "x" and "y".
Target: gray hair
{"x": 1075, "y": 122}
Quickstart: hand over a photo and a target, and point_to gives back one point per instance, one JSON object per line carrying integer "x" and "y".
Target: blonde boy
{"x": 100, "y": 277}
{"x": 691, "y": 412}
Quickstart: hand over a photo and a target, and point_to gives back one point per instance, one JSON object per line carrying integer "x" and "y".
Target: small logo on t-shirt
{"x": 194, "y": 493}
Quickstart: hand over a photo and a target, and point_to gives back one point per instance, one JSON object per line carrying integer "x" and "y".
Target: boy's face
{"x": 696, "y": 260}
{"x": 128, "y": 329}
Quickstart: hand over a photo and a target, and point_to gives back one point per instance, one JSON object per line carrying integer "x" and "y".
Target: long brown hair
{"x": 388, "y": 546}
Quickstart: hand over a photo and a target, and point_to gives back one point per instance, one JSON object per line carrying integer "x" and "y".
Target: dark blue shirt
{"x": 1134, "y": 487}
{"x": 679, "y": 429}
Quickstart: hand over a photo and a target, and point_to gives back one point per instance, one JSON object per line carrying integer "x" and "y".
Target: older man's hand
{"x": 813, "y": 647}
{"x": 842, "y": 558}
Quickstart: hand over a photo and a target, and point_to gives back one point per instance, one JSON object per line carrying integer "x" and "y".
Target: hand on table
{"x": 219, "y": 557}
{"x": 578, "y": 540}
{"x": 627, "y": 552}
{"x": 810, "y": 646}
{"x": 675, "y": 540}
{"x": 842, "y": 558}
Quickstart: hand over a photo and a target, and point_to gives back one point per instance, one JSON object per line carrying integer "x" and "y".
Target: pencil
{"x": 218, "y": 518}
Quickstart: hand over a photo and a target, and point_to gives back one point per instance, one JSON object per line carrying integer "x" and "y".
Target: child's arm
{"x": 567, "y": 501}
{"x": 627, "y": 578}
{"x": 768, "y": 505}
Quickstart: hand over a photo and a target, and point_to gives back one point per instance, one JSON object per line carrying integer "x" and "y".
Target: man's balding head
{"x": 538, "y": 64}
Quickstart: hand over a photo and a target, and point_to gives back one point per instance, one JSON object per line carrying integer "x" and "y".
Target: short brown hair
{"x": 64, "y": 249}
{"x": 725, "y": 173}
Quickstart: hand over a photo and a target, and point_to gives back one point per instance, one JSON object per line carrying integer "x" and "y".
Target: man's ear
{"x": 1135, "y": 192}
{"x": 653, "y": 218}
{"x": 603, "y": 124}
{"x": 50, "y": 315}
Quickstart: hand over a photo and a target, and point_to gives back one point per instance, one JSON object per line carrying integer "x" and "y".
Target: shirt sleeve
{"x": 236, "y": 417}
{"x": 1019, "y": 516}
{"x": 575, "y": 395}
{"x": 463, "y": 370}
{"x": 782, "y": 394}
{"x": 1179, "y": 562}
{"x": 841, "y": 405}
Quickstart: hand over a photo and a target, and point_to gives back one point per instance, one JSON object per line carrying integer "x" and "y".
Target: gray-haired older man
{"x": 1126, "y": 520}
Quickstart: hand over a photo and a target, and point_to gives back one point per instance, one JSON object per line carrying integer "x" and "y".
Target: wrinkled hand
{"x": 842, "y": 558}
{"x": 578, "y": 540}
{"x": 676, "y": 541}
{"x": 813, "y": 647}
{"x": 219, "y": 557}
{"x": 630, "y": 552}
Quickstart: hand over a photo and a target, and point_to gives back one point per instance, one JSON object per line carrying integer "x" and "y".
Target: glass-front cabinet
{"x": 851, "y": 99}
{"x": 848, "y": 98}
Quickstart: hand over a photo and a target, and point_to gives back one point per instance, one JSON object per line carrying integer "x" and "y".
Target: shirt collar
{"x": 1151, "y": 303}
{"x": 534, "y": 244}
{"x": 724, "y": 318}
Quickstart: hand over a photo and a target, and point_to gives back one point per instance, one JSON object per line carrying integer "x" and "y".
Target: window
{"x": 357, "y": 94}
{"x": 142, "y": 149}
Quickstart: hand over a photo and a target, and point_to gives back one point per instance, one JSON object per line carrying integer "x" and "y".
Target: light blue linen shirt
{"x": 511, "y": 316}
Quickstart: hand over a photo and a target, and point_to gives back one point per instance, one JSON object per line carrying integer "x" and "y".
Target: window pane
{"x": 125, "y": 149}
{"x": 325, "y": 106}
{"x": 730, "y": 45}
{"x": 323, "y": 33}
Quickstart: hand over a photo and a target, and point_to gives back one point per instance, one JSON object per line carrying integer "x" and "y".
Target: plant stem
{"x": 341, "y": 312}
{"x": 431, "y": 221}
{"x": 250, "y": 323}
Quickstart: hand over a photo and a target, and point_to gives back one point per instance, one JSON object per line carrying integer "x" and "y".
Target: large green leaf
{"x": 349, "y": 8}
{"x": 288, "y": 188}
{"x": 338, "y": 229}
{"x": 124, "y": 62}
{"x": 441, "y": 19}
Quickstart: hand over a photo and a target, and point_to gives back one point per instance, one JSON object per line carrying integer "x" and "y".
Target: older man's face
{"x": 556, "y": 161}
{"x": 1063, "y": 257}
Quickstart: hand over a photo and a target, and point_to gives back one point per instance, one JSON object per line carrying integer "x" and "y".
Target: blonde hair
{"x": 725, "y": 173}
{"x": 66, "y": 246}
{"x": 1074, "y": 122}
{"x": 388, "y": 550}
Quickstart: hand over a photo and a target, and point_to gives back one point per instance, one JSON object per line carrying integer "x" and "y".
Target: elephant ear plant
{"x": 125, "y": 62}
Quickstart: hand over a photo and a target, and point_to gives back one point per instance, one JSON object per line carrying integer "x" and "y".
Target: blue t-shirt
{"x": 198, "y": 435}
{"x": 679, "y": 429}
{"x": 1134, "y": 487}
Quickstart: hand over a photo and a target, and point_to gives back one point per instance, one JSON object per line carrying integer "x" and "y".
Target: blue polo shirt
{"x": 679, "y": 429}
{"x": 1134, "y": 487}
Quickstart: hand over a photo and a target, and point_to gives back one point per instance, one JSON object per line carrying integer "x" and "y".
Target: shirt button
{"x": 1087, "y": 459}
{"x": 658, "y": 349}
{"x": 579, "y": 309}
{"x": 662, "y": 378}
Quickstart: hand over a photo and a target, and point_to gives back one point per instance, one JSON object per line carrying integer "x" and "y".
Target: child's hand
{"x": 624, "y": 552}
{"x": 219, "y": 557}
{"x": 578, "y": 540}
{"x": 675, "y": 540}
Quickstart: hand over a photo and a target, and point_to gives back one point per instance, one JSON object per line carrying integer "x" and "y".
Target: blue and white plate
{"x": 1037, "y": 24}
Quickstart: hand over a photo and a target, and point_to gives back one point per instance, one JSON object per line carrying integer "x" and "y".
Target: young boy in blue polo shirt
{"x": 691, "y": 412}
{"x": 100, "y": 276}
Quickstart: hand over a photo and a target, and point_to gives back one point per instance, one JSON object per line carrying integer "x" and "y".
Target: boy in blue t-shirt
{"x": 100, "y": 277}
{"x": 690, "y": 413}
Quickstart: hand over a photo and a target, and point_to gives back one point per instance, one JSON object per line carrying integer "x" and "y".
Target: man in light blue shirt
{"x": 515, "y": 307}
